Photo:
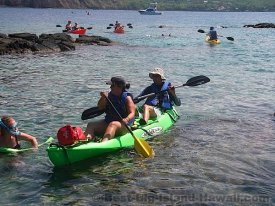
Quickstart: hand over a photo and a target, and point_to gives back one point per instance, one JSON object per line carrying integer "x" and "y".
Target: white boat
{"x": 151, "y": 10}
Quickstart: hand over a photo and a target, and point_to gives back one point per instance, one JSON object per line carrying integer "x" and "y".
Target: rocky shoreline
{"x": 22, "y": 43}
{"x": 260, "y": 25}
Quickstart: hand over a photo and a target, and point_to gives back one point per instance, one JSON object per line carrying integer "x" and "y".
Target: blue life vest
{"x": 213, "y": 35}
{"x": 161, "y": 100}
{"x": 120, "y": 105}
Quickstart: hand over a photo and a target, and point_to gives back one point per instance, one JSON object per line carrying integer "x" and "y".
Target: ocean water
{"x": 220, "y": 152}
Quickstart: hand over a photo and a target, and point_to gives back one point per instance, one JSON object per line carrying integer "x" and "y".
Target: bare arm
{"x": 102, "y": 102}
{"x": 29, "y": 138}
{"x": 131, "y": 108}
{"x": 174, "y": 98}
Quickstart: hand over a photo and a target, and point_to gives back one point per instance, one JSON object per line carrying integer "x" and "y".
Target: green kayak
{"x": 65, "y": 155}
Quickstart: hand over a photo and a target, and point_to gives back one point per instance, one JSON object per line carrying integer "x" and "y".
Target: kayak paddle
{"x": 229, "y": 37}
{"x": 141, "y": 146}
{"x": 130, "y": 25}
{"x": 201, "y": 31}
{"x": 91, "y": 113}
{"x": 192, "y": 82}
{"x": 80, "y": 27}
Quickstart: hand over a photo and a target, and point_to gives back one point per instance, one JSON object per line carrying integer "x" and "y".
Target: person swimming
{"x": 10, "y": 135}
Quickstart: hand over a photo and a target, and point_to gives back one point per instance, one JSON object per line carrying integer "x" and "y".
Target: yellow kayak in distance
{"x": 216, "y": 41}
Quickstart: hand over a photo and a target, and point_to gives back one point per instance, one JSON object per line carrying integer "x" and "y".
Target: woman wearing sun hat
{"x": 10, "y": 135}
{"x": 165, "y": 100}
{"x": 111, "y": 124}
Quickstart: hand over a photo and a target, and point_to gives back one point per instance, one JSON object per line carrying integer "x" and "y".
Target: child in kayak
{"x": 10, "y": 135}
{"x": 163, "y": 101}
{"x": 123, "y": 102}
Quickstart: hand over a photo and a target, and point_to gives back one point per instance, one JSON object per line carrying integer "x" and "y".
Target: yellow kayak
{"x": 216, "y": 41}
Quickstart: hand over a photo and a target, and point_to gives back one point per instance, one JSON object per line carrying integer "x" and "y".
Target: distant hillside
{"x": 187, "y": 5}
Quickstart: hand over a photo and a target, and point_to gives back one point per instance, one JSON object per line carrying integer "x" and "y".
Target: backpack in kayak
{"x": 69, "y": 135}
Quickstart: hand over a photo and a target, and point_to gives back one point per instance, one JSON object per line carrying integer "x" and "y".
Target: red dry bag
{"x": 69, "y": 135}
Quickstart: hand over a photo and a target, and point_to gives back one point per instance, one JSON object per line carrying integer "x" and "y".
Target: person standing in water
{"x": 10, "y": 135}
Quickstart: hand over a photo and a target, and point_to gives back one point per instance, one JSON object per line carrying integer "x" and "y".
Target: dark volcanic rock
{"x": 20, "y": 43}
{"x": 93, "y": 40}
{"x": 260, "y": 25}
{"x": 56, "y": 37}
{"x": 26, "y": 36}
{"x": 3, "y": 35}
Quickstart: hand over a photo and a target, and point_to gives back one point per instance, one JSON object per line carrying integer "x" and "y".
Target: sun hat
{"x": 158, "y": 71}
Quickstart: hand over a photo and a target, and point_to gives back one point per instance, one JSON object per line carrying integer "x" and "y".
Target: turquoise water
{"x": 221, "y": 151}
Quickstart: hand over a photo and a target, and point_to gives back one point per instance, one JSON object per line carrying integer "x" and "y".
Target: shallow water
{"x": 221, "y": 151}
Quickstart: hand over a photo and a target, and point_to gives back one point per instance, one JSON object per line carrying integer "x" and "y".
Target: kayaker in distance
{"x": 117, "y": 24}
{"x": 165, "y": 100}
{"x": 75, "y": 27}
{"x": 212, "y": 34}
{"x": 10, "y": 135}
{"x": 69, "y": 26}
{"x": 123, "y": 102}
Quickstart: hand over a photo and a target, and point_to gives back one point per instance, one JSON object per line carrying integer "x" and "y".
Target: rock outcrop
{"x": 260, "y": 25}
{"x": 20, "y": 43}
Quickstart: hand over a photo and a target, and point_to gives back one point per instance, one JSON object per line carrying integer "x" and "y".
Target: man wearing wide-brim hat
{"x": 165, "y": 100}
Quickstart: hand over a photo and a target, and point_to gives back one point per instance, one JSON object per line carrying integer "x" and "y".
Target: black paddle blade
{"x": 111, "y": 25}
{"x": 129, "y": 24}
{"x": 230, "y": 38}
{"x": 89, "y": 28}
{"x": 91, "y": 113}
{"x": 58, "y": 25}
{"x": 108, "y": 27}
{"x": 198, "y": 80}
{"x": 201, "y": 31}
{"x": 130, "y": 27}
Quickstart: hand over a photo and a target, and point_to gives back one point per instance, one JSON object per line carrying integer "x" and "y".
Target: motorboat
{"x": 151, "y": 10}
